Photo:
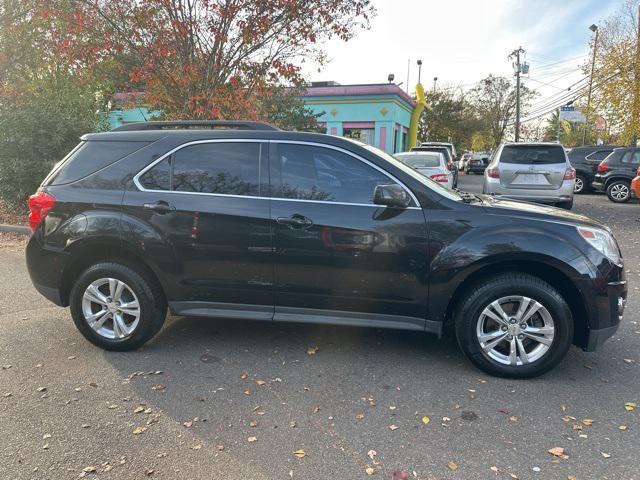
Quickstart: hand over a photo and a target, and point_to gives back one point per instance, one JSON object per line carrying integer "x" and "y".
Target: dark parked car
{"x": 477, "y": 164}
{"x": 249, "y": 222}
{"x": 448, "y": 155}
{"x": 586, "y": 160}
{"x": 616, "y": 172}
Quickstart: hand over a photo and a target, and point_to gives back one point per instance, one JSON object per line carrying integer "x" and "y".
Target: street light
{"x": 419, "y": 69}
{"x": 435, "y": 80}
{"x": 593, "y": 28}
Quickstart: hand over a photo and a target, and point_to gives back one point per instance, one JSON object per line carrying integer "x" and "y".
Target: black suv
{"x": 586, "y": 160}
{"x": 250, "y": 222}
{"x": 616, "y": 172}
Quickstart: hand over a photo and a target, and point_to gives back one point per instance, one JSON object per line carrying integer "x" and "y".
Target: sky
{"x": 463, "y": 41}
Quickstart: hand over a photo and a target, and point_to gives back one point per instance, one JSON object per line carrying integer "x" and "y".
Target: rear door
{"x": 208, "y": 200}
{"x": 339, "y": 258}
{"x": 540, "y": 167}
{"x": 594, "y": 159}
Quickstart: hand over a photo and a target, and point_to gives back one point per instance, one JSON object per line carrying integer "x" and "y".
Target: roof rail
{"x": 195, "y": 124}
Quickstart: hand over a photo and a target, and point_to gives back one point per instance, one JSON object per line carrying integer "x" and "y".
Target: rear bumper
{"x": 551, "y": 196}
{"x": 46, "y": 270}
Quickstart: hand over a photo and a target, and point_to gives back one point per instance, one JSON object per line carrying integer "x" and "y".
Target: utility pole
{"x": 593, "y": 28}
{"x": 517, "y": 53}
{"x": 636, "y": 94}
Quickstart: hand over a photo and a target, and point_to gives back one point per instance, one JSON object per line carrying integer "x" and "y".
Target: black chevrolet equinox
{"x": 242, "y": 220}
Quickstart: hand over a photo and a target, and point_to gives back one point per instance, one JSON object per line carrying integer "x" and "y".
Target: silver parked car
{"x": 535, "y": 172}
{"x": 429, "y": 164}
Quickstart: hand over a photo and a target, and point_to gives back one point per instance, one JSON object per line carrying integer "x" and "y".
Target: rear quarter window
{"x": 89, "y": 157}
{"x": 532, "y": 155}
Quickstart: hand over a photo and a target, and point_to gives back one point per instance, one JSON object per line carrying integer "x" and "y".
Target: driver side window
{"x": 308, "y": 172}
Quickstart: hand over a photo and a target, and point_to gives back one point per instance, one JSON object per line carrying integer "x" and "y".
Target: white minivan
{"x": 429, "y": 164}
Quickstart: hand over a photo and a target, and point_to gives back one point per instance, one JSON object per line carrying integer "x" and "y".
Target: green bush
{"x": 38, "y": 128}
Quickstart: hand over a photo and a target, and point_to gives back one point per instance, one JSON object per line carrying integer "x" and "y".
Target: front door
{"x": 208, "y": 201}
{"x": 339, "y": 258}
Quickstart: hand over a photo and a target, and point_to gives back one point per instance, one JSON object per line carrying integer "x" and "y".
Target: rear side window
{"x": 532, "y": 154}
{"x": 632, "y": 157}
{"x": 599, "y": 155}
{"x": 229, "y": 168}
{"x": 89, "y": 157}
{"x": 420, "y": 161}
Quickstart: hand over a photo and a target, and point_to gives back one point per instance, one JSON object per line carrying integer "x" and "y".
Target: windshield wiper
{"x": 467, "y": 197}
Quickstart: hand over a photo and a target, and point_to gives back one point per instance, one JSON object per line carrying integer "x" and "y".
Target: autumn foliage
{"x": 200, "y": 58}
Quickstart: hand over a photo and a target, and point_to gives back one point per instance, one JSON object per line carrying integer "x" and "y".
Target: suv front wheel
{"x": 619, "y": 191}
{"x": 514, "y": 325}
{"x": 116, "y": 307}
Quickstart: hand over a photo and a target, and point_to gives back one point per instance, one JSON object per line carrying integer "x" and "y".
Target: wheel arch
{"x": 616, "y": 177}
{"x": 551, "y": 274}
{"x": 89, "y": 252}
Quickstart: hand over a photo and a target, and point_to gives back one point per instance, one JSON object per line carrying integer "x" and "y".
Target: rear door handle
{"x": 295, "y": 221}
{"x": 160, "y": 207}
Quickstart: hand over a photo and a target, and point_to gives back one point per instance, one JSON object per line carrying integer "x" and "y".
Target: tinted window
{"x": 88, "y": 158}
{"x": 227, "y": 168}
{"x": 420, "y": 161}
{"x": 316, "y": 173}
{"x": 632, "y": 157}
{"x": 443, "y": 150}
{"x": 599, "y": 155}
{"x": 159, "y": 177}
{"x": 532, "y": 154}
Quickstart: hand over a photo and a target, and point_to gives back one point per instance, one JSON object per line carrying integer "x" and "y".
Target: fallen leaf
{"x": 359, "y": 416}
{"x": 292, "y": 424}
{"x": 312, "y": 350}
{"x": 247, "y": 392}
{"x": 41, "y": 389}
{"x": 513, "y": 418}
{"x": 71, "y": 357}
{"x": 89, "y": 469}
{"x": 159, "y": 387}
{"x": 372, "y": 454}
{"x": 606, "y": 455}
{"x": 558, "y": 452}
{"x": 244, "y": 375}
{"x": 630, "y": 406}
{"x": 260, "y": 382}
{"x": 622, "y": 427}
{"x": 628, "y": 360}
{"x": 426, "y": 420}
{"x": 196, "y": 447}
{"x": 587, "y": 422}
{"x": 113, "y": 406}
{"x": 85, "y": 425}
{"x": 299, "y": 453}
{"x": 188, "y": 424}
{"x": 494, "y": 468}
{"x": 220, "y": 447}
{"x": 571, "y": 477}
{"x": 316, "y": 409}
{"x": 393, "y": 427}
{"x": 369, "y": 471}
{"x": 252, "y": 439}
{"x": 139, "y": 430}
{"x": 568, "y": 418}
{"x": 452, "y": 465}
{"x": 577, "y": 426}
{"x": 253, "y": 423}
{"x": 139, "y": 410}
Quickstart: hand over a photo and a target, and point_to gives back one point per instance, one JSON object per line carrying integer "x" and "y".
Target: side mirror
{"x": 392, "y": 195}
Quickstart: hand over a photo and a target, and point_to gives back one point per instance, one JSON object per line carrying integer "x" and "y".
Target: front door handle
{"x": 295, "y": 221}
{"x": 160, "y": 206}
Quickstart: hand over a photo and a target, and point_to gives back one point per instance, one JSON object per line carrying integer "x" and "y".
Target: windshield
{"x": 423, "y": 160}
{"x": 427, "y": 182}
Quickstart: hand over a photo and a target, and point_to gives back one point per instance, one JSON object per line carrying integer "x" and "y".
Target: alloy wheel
{"x": 111, "y": 308}
{"x": 579, "y": 185}
{"x": 619, "y": 191}
{"x": 515, "y": 330}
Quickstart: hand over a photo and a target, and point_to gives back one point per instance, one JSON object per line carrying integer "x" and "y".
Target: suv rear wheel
{"x": 514, "y": 326}
{"x": 116, "y": 307}
{"x": 619, "y": 191}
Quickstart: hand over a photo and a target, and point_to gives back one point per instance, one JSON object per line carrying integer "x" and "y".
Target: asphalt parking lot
{"x": 211, "y": 399}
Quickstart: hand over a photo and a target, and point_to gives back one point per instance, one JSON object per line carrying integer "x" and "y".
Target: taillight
{"x": 603, "y": 167}
{"x": 440, "y": 177}
{"x": 493, "y": 173}
{"x": 570, "y": 174}
{"x": 40, "y": 203}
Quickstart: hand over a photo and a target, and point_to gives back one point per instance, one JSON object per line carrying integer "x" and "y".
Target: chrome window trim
{"x": 140, "y": 187}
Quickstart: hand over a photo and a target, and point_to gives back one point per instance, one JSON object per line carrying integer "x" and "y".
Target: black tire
{"x": 566, "y": 205}
{"x": 582, "y": 185}
{"x": 481, "y": 295}
{"x": 616, "y": 191}
{"x": 152, "y": 304}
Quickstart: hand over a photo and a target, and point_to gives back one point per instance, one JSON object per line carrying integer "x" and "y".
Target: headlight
{"x": 602, "y": 241}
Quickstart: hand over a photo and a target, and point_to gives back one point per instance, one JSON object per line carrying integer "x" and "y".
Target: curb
{"x": 15, "y": 229}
